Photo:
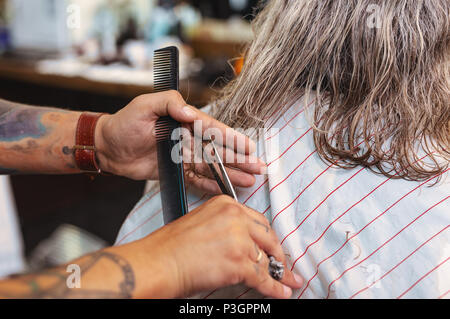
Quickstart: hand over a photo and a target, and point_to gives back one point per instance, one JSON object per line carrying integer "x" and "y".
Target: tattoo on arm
{"x": 27, "y": 136}
{"x": 53, "y": 283}
{"x": 261, "y": 224}
{"x": 67, "y": 150}
{"x": 18, "y": 122}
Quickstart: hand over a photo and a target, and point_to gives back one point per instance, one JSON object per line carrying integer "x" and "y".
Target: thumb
{"x": 170, "y": 103}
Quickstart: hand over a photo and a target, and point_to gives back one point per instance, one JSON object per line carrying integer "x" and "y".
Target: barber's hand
{"x": 217, "y": 245}
{"x": 126, "y": 141}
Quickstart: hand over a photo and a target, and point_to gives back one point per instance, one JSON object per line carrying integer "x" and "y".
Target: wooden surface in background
{"x": 25, "y": 71}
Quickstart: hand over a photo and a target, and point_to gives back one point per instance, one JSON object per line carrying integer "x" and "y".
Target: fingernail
{"x": 298, "y": 279}
{"x": 189, "y": 112}
{"x": 287, "y": 291}
{"x": 262, "y": 162}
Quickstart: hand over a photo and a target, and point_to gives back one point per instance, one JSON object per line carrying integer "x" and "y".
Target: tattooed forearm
{"x": 34, "y": 139}
{"x": 18, "y": 123}
{"x": 102, "y": 275}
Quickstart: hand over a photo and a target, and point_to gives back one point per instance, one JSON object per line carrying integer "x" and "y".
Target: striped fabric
{"x": 349, "y": 233}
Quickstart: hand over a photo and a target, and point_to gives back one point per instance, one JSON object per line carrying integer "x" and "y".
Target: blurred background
{"x": 96, "y": 55}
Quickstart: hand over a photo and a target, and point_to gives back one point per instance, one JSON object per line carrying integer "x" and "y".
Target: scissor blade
{"x": 226, "y": 178}
{"x": 218, "y": 178}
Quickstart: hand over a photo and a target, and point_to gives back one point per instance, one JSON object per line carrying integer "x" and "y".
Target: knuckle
{"x": 265, "y": 221}
{"x": 224, "y": 198}
{"x": 274, "y": 237}
{"x": 263, "y": 281}
{"x": 232, "y": 210}
{"x": 236, "y": 253}
{"x": 140, "y": 98}
{"x": 217, "y": 201}
{"x": 277, "y": 251}
{"x": 235, "y": 278}
{"x": 173, "y": 94}
{"x": 248, "y": 275}
{"x": 238, "y": 244}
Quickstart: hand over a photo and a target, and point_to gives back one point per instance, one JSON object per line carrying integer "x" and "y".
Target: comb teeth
{"x": 166, "y": 75}
{"x": 165, "y": 69}
{"x": 164, "y": 128}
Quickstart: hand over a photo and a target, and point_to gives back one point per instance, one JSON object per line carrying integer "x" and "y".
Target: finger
{"x": 168, "y": 103}
{"x": 291, "y": 280}
{"x": 255, "y": 215}
{"x": 266, "y": 239}
{"x": 258, "y": 278}
{"x": 237, "y": 178}
{"x": 246, "y": 163}
{"x": 274, "y": 289}
{"x": 204, "y": 151}
{"x": 202, "y": 183}
{"x": 201, "y": 163}
{"x": 172, "y": 103}
{"x": 223, "y": 134}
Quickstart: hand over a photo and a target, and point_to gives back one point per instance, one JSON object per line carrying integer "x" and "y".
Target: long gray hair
{"x": 378, "y": 69}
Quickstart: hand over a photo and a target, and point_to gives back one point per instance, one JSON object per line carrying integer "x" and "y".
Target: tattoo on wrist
{"x": 53, "y": 283}
{"x": 67, "y": 150}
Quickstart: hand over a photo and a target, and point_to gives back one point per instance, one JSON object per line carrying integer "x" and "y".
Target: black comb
{"x": 171, "y": 174}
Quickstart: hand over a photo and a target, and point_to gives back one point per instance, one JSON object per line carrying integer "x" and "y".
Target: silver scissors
{"x": 276, "y": 268}
{"x": 222, "y": 178}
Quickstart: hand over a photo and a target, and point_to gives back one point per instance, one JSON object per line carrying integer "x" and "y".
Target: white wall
{"x": 43, "y": 24}
{"x": 38, "y": 24}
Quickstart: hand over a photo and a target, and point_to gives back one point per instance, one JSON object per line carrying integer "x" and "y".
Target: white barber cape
{"x": 348, "y": 233}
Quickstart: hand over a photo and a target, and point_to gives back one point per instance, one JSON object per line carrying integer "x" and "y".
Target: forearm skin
{"x": 128, "y": 271}
{"x": 36, "y": 139}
